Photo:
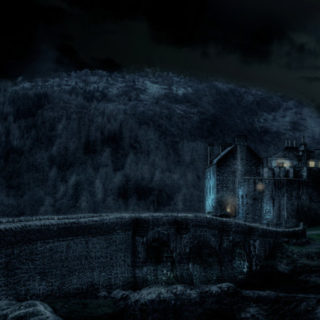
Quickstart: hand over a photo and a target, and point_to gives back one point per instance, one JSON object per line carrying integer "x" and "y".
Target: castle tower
{"x": 241, "y": 142}
{"x": 225, "y": 185}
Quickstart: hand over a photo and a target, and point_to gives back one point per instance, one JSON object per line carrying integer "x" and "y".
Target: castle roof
{"x": 223, "y": 153}
{"x": 290, "y": 153}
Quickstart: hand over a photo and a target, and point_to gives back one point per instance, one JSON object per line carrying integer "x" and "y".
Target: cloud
{"x": 262, "y": 43}
{"x": 248, "y": 27}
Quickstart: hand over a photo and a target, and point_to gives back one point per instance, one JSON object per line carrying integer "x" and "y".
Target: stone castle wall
{"x": 60, "y": 257}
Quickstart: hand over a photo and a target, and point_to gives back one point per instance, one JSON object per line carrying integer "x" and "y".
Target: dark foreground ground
{"x": 286, "y": 287}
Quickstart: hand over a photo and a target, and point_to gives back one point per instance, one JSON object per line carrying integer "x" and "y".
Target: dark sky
{"x": 272, "y": 44}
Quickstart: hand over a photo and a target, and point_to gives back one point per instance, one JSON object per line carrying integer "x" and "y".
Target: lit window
{"x": 312, "y": 163}
{"x": 287, "y": 164}
{"x": 279, "y": 163}
{"x": 283, "y": 163}
{"x": 260, "y": 187}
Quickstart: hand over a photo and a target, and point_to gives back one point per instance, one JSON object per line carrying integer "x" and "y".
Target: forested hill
{"x": 101, "y": 142}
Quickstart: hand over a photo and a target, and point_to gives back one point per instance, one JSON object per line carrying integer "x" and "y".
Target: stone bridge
{"x": 61, "y": 256}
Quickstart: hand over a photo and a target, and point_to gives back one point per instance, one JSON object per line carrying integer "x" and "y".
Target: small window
{"x": 260, "y": 186}
{"x": 287, "y": 164}
{"x": 312, "y": 163}
{"x": 283, "y": 163}
{"x": 280, "y": 164}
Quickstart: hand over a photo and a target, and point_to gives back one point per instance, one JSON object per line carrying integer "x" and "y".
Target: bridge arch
{"x": 54, "y": 256}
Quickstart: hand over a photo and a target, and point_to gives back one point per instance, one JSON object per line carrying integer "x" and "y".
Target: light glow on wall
{"x": 231, "y": 206}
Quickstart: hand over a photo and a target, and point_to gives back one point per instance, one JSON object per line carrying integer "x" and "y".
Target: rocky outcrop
{"x": 220, "y": 302}
{"x": 30, "y": 310}
{"x": 223, "y": 301}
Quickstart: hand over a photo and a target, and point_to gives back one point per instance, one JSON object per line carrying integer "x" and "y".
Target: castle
{"x": 271, "y": 191}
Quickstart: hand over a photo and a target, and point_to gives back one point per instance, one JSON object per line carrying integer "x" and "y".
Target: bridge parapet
{"x": 56, "y": 256}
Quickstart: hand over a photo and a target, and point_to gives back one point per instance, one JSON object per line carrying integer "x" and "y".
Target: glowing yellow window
{"x": 312, "y": 163}
{"x": 280, "y": 163}
{"x": 283, "y": 163}
{"x": 287, "y": 164}
{"x": 260, "y": 186}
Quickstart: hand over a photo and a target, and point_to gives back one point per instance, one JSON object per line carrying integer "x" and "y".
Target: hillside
{"x": 101, "y": 142}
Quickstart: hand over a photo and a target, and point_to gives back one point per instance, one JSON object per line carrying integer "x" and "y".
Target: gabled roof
{"x": 222, "y": 154}
{"x": 226, "y": 151}
{"x": 290, "y": 153}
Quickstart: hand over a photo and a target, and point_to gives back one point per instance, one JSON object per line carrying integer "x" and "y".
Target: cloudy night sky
{"x": 267, "y": 44}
